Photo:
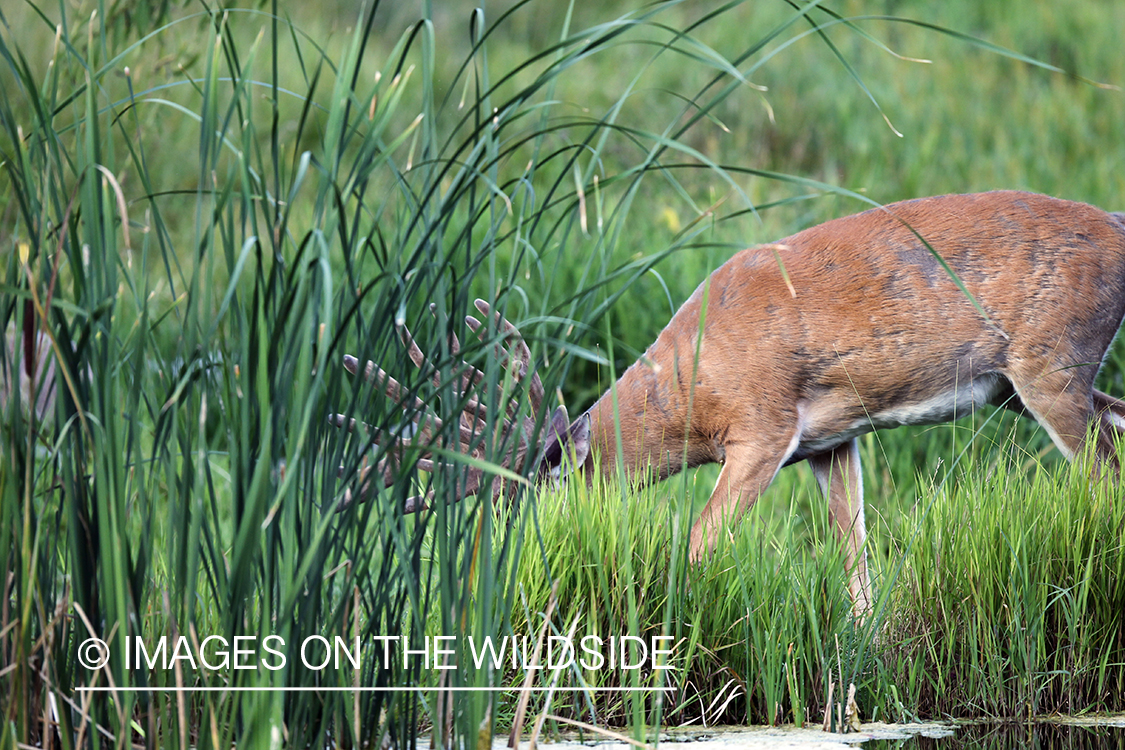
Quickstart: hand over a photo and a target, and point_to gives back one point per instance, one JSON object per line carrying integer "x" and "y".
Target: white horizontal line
{"x": 361, "y": 689}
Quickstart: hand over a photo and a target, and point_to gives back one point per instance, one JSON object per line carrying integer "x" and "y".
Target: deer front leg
{"x": 840, "y": 477}
{"x": 748, "y": 470}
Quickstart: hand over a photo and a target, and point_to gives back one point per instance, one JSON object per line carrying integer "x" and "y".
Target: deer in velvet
{"x": 847, "y": 327}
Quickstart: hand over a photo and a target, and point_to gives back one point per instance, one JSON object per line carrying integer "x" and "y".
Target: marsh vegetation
{"x": 205, "y": 208}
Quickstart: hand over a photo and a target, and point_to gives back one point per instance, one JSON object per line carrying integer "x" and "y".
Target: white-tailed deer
{"x": 848, "y": 327}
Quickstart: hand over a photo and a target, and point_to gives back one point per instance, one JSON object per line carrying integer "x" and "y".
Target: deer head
{"x": 563, "y": 446}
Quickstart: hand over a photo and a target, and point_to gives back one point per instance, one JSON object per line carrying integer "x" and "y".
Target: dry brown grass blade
{"x": 525, "y": 691}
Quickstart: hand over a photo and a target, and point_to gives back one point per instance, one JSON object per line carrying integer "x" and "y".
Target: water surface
{"x": 1079, "y": 733}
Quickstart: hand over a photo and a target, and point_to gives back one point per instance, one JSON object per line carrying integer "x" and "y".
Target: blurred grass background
{"x": 286, "y": 204}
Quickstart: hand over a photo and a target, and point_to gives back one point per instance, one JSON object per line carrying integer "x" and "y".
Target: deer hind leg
{"x": 1066, "y": 404}
{"x": 839, "y": 474}
{"x": 1111, "y": 423}
{"x": 1110, "y": 409}
{"x": 748, "y": 469}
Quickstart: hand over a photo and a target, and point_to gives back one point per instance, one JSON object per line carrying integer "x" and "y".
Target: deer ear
{"x": 580, "y": 439}
{"x": 567, "y": 445}
{"x": 560, "y": 423}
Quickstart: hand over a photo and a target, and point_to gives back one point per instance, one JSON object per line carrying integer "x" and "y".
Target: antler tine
{"x": 518, "y": 349}
{"x": 512, "y": 408}
{"x": 383, "y": 474}
{"x": 428, "y": 424}
{"x": 394, "y": 390}
{"x": 473, "y": 375}
{"x": 518, "y": 344}
{"x": 375, "y": 374}
{"x": 469, "y": 376}
{"x": 424, "y": 426}
{"x": 417, "y": 503}
{"x": 454, "y": 343}
{"x": 416, "y": 355}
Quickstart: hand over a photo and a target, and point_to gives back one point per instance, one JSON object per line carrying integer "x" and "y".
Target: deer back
{"x": 856, "y": 324}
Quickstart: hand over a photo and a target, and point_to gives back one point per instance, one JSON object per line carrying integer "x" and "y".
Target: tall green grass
{"x": 201, "y": 245}
{"x": 755, "y": 629}
{"x": 1000, "y": 595}
{"x": 1011, "y": 596}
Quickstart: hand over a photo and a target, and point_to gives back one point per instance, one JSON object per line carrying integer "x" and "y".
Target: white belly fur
{"x": 943, "y": 407}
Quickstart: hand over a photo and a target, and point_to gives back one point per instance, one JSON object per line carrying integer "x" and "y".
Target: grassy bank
{"x": 204, "y": 211}
{"x": 999, "y": 596}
